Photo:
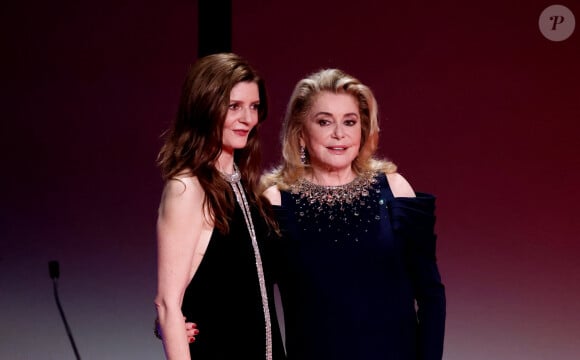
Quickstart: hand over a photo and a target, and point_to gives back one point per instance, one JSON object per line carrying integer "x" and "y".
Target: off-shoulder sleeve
{"x": 413, "y": 220}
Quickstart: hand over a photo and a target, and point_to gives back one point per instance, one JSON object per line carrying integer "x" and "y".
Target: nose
{"x": 338, "y": 132}
{"x": 247, "y": 116}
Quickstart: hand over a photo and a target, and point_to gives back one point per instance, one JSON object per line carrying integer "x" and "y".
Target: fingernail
{"x": 191, "y": 340}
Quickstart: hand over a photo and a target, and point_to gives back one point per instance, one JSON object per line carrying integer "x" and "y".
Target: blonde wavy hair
{"x": 303, "y": 97}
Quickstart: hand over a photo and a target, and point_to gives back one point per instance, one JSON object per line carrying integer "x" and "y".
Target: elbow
{"x": 161, "y": 306}
{"x": 165, "y": 307}
{"x": 159, "y": 302}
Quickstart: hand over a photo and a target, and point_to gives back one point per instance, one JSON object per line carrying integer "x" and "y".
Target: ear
{"x": 301, "y": 139}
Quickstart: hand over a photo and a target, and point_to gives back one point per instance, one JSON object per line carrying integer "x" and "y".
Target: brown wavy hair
{"x": 301, "y": 102}
{"x": 193, "y": 142}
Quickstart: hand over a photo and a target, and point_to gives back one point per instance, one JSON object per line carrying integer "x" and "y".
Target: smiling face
{"x": 241, "y": 117}
{"x": 332, "y": 133}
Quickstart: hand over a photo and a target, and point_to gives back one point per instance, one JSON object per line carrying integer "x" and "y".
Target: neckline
{"x": 324, "y": 194}
{"x": 313, "y": 184}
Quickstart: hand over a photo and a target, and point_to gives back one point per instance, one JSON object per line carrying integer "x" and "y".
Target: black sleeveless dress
{"x": 223, "y": 297}
{"x": 350, "y": 272}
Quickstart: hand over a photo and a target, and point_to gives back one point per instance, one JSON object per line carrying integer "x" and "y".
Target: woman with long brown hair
{"x": 212, "y": 224}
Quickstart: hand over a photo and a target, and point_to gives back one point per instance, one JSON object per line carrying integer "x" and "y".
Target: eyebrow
{"x": 251, "y": 102}
{"x": 329, "y": 114}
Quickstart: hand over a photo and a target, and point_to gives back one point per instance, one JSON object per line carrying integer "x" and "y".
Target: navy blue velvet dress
{"x": 224, "y": 299}
{"x": 349, "y": 275}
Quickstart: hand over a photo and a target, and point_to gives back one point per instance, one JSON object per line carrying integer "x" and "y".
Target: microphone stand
{"x": 54, "y": 273}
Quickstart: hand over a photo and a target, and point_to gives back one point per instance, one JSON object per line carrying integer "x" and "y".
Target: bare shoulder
{"x": 184, "y": 192}
{"x": 400, "y": 186}
{"x": 273, "y": 195}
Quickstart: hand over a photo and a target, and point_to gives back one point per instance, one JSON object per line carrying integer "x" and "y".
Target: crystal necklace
{"x": 234, "y": 177}
{"x": 331, "y": 195}
{"x": 235, "y": 183}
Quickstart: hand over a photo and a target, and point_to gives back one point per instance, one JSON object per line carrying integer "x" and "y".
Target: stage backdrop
{"x": 476, "y": 105}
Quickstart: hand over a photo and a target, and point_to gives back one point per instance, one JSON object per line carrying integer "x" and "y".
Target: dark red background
{"x": 476, "y": 106}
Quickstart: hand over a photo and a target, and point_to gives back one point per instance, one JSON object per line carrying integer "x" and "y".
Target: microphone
{"x": 54, "y": 272}
{"x": 53, "y": 269}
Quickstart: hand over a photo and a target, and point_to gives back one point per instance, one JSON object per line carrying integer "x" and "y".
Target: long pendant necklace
{"x": 235, "y": 183}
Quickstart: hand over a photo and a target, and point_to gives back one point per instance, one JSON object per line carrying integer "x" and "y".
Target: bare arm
{"x": 400, "y": 186}
{"x": 179, "y": 227}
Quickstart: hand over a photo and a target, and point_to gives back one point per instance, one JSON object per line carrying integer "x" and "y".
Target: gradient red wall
{"x": 476, "y": 106}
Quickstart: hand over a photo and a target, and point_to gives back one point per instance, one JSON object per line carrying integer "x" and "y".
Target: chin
{"x": 336, "y": 166}
{"x": 238, "y": 145}
{"x": 340, "y": 164}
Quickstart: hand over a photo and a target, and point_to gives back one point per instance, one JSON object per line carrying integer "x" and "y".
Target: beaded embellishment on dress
{"x": 331, "y": 195}
{"x": 350, "y": 210}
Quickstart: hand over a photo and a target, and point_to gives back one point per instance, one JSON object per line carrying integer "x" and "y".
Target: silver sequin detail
{"x": 243, "y": 202}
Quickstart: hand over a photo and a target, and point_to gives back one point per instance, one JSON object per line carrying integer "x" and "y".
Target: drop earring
{"x": 303, "y": 155}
